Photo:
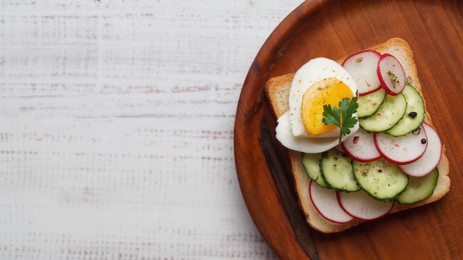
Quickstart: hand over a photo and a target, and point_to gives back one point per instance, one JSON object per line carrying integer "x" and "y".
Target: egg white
{"x": 303, "y": 143}
{"x": 314, "y": 71}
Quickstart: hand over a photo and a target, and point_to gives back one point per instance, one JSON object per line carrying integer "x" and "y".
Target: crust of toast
{"x": 277, "y": 91}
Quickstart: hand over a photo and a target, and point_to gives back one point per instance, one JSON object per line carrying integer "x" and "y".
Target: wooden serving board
{"x": 334, "y": 29}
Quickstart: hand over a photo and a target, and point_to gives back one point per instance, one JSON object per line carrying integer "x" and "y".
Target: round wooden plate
{"x": 334, "y": 29}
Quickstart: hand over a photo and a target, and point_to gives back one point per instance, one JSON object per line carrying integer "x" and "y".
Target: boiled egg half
{"x": 319, "y": 82}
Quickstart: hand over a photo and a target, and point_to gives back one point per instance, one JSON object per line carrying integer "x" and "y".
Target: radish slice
{"x": 360, "y": 205}
{"x": 362, "y": 67}
{"x": 361, "y": 146}
{"x": 403, "y": 149}
{"x": 326, "y": 203}
{"x": 430, "y": 158}
{"x": 391, "y": 74}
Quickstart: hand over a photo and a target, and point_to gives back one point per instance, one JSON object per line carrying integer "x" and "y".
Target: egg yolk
{"x": 329, "y": 91}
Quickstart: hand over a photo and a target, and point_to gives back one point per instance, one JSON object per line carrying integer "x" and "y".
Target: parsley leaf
{"x": 331, "y": 115}
{"x": 342, "y": 117}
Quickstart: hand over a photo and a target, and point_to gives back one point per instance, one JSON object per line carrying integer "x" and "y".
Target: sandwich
{"x": 360, "y": 140}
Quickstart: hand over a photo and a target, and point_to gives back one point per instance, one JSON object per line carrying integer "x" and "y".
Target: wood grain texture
{"x": 334, "y": 29}
{"x": 116, "y": 128}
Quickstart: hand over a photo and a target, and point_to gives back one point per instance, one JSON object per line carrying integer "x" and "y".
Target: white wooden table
{"x": 116, "y": 127}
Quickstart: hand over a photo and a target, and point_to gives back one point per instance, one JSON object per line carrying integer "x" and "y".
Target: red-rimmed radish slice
{"x": 430, "y": 158}
{"x": 391, "y": 74}
{"x": 361, "y": 147}
{"x": 362, "y": 67}
{"x": 403, "y": 149}
{"x": 326, "y": 203}
{"x": 360, "y": 205}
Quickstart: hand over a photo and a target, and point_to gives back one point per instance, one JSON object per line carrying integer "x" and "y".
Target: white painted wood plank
{"x": 116, "y": 127}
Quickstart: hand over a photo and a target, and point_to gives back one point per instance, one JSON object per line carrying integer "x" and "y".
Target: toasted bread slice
{"x": 277, "y": 91}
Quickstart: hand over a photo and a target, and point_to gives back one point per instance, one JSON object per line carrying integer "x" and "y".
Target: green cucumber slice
{"x": 336, "y": 170}
{"x": 380, "y": 179}
{"x": 419, "y": 188}
{"x": 414, "y": 114}
{"x": 387, "y": 116}
{"x": 370, "y": 103}
{"x": 311, "y": 163}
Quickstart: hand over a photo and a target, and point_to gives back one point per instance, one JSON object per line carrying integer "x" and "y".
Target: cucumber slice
{"x": 387, "y": 116}
{"x": 419, "y": 188}
{"x": 414, "y": 114}
{"x": 370, "y": 103}
{"x": 336, "y": 170}
{"x": 380, "y": 179}
{"x": 311, "y": 163}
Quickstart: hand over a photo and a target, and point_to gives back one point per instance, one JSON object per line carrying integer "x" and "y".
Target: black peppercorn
{"x": 423, "y": 141}
{"x": 412, "y": 114}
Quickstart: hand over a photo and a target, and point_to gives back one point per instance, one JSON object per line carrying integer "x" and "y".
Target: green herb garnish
{"x": 343, "y": 117}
